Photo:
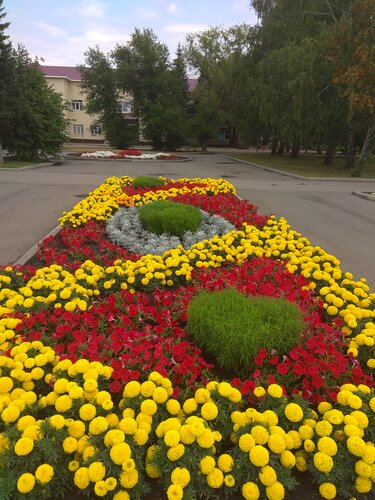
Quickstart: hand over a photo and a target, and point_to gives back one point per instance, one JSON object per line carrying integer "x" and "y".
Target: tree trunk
{"x": 319, "y": 149}
{"x": 328, "y": 159}
{"x": 350, "y": 147}
{"x": 281, "y": 148}
{"x": 204, "y": 141}
{"x": 1, "y": 152}
{"x": 274, "y": 143}
{"x": 287, "y": 147}
{"x": 366, "y": 148}
{"x": 295, "y": 150}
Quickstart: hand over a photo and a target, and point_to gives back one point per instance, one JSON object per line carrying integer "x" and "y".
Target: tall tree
{"x": 103, "y": 97}
{"x": 7, "y": 83}
{"x": 353, "y": 51}
{"x": 39, "y": 119}
{"x": 143, "y": 70}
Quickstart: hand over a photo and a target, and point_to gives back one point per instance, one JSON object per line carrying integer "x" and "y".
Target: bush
{"x": 145, "y": 181}
{"x": 171, "y": 218}
{"x": 232, "y": 327}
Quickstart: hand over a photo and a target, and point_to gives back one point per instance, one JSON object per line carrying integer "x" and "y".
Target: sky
{"x": 60, "y": 31}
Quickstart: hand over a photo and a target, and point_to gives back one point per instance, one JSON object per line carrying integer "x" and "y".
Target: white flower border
{"x": 111, "y": 154}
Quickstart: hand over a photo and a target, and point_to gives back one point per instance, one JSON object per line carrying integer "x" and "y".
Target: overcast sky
{"x": 60, "y": 31}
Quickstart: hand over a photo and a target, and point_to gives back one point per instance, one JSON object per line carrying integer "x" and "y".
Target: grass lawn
{"x": 19, "y": 164}
{"x": 309, "y": 165}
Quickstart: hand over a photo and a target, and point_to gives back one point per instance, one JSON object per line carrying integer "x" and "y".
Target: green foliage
{"x": 233, "y": 327}
{"x": 146, "y": 181}
{"x": 165, "y": 216}
{"x": 39, "y": 120}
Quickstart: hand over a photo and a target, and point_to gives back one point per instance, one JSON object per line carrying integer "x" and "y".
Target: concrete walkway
{"x": 323, "y": 210}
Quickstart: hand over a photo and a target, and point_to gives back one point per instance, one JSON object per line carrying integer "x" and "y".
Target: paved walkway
{"x": 325, "y": 211}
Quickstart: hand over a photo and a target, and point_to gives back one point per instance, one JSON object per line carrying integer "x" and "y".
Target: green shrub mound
{"x": 145, "y": 181}
{"x": 165, "y": 216}
{"x": 233, "y": 327}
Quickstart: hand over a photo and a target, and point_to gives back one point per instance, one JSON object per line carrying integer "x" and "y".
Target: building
{"x": 66, "y": 81}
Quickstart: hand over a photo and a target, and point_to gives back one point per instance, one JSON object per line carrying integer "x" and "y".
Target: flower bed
{"x": 127, "y": 154}
{"x": 102, "y": 388}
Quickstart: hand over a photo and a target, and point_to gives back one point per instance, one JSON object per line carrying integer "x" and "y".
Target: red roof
{"x": 72, "y": 73}
{"x": 69, "y": 72}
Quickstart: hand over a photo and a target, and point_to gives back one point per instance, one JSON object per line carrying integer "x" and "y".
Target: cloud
{"x": 182, "y": 28}
{"x": 172, "y": 8}
{"x": 92, "y": 8}
{"x": 145, "y": 13}
{"x": 50, "y": 29}
{"x": 241, "y": 6}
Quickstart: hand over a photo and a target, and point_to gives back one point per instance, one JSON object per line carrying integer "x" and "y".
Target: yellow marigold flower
{"x": 335, "y": 417}
{"x": 206, "y": 439}
{"x": 267, "y": 475}
{"x": 363, "y": 469}
{"x": 98, "y": 425}
{"x": 25, "y": 421}
{"x": 160, "y": 395}
{"x": 235, "y": 396}
{"x": 361, "y": 418}
{"x": 271, "y": 418}
{"x": 246, "y": 442}
{"x": 327, "y": 445}
{"x": 23, "y": 446}
{"x": 369, "y": 454}
{"x": 152, "y": 471}
{"x": 128, "y": 464}
{"x": 288, "y": 460}
{"x": 354, "y": 402}
{"x": 309, "y": 445}
{"x": 225, "y": 462}
{"x": 356, "y": 446}
{"x": 324, "y": 406}
{"x": 250, "y": 491}
{"x": 89, "y": 451}
{"x": 224, "y": 389}
{"x": 259, "y": 455}
{"x": 327, "y": 490}
{"x": 149, "y": 406}
{"x": 111, "y": 483}
{"x": 215, "y": 478}
{"x": 175, "y": 492}
{"x": 44, "y": 473}
{"x": 300, "y": 460}
{"x": 175, "y": 452}
{"x": 276, "y": 443}
{"x": 100, "y": 488}
{"x": 180, "y": 476}
{"x": 119, "y": 453}
{"x": 202, "y": 395}
{"x": 128, "y": 425}
{"x": 363, "y": 485}
{"x": 147, "y": 388}
{"x": 323, "y": 428}
{"x": 10, "y": 414}
{"x": 293, "y": 412}
{"x": 259, "y": 392}
{"x": 6, "y": 384}
{"x": 172, "y": 438}
{"x": 73, "y": 465}
{"x": 207, "y": 465}
{"x": 209, "y": 411}
{"x": 77, "y": 429}
{"x": 114, "y": 436}
{"x": 323, "y": 462}
{"x": 57, "y": 421}
{"x": 275, "y": 491}
{"x": 25, "y": 483}
{"x": 129, "y": 479}
{"x": 141, "y": 437}
{"x": 275, "y": 391}
{"x": 96, "y": 472}
{"x": 81, "y": 478}
{"x": 132, "y": 389}
{"x": 63, "y": 403}
{"x": 70, "y": 445}
{"x": 260, "y": 434}
{"x": 190, "y": 406}
{"x": 173, "y": 406}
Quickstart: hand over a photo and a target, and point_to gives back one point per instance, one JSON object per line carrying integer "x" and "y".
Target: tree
{"x": 7, "y": 83}
{"x": 353, "y": 51}
{"x": 143, "y": 70}
{"x": 103, "y": 97}
{"x": 39, "y": 123}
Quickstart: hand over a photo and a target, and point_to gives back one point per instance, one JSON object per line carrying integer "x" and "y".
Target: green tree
{"x": 144, "y": 71}
{"x": 7, "y": 83}
{"x": 103, "y": 97}
{"x": 39, "y": 123}
{"x": 353, "y": 51}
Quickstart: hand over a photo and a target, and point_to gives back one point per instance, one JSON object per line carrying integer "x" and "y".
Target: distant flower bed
{"x": 128, "y": 154}
{"x": 103, "y": 389}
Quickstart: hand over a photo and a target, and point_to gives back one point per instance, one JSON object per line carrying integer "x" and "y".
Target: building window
{"x": 76, "y": 105}
{"x": 78, "y": 129}
{"x": 96, "y": 130}
{"x": 126, "y": 107}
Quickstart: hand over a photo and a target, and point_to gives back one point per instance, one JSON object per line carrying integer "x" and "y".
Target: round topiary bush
{"x": 232, "y": 327}
{"x": 165, "y": 216}
{"x": 145, "y": 181}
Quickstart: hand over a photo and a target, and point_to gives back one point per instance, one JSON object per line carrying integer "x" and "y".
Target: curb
{"x": 30, "y": 167}
{"x": 32, "y": 251}
{"x": 296, "y": 176}
{"x": 364, "y": 195}
{"x": 178, "y": 160}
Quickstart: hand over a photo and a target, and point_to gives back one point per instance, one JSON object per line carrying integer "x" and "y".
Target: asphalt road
{"x": 324, "y": 211}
